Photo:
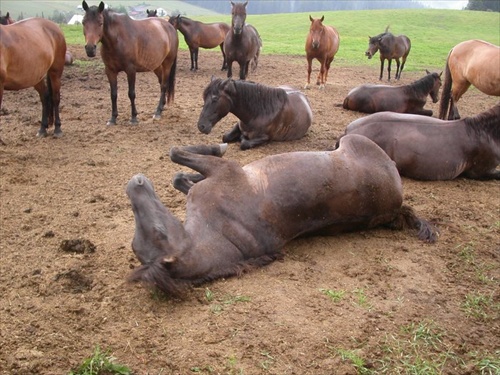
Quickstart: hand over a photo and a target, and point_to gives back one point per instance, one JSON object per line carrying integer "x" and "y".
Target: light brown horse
{"x": 30, "y": 51}
{"x": 132, "y": 46}
{"x": 473, "y": 62}
{"x": 322, "y": 43}
{"x": 198, "y": 34}
{"x": 390, "y": 47}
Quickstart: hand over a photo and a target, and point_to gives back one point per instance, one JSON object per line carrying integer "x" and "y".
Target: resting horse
{"x": 198, "y": 34}
{"x": 265, "y": 113}
{"x": 472, "y": 62}
{"x": 403, "y": 99}
{"x": 426, "y": 148}
{"x": 390, "y": 47}
{"x": 132, "y": 46}
{"x": 242, "y": 43}
{"x": 238, "y": 218}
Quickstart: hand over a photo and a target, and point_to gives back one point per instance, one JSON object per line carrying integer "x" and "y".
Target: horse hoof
{"x": 321, "y": 87}
{"x": 133, "y": 122}
{"x": 111, "y": 123}
{"x": 41, "y": 133}
{"x": 306, "y": 86}
{"x": 156, "y": 117}
{"x": 58, "y": 134}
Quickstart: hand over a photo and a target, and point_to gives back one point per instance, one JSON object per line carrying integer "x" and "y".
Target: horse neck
{"x": 111, "y": 28}
{"x": 485, "y": 124}
{"x": 423, "y": 86}
{"x": 185, "y": 24}
{"x": 265, "y": 100}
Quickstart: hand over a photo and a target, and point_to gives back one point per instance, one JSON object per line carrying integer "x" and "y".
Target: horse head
{"x": 93, "y": 26}
{"x": 217, "y": 103}
{"x": 6, "y": 20}
{"x": 373, "y": 45}
{"x": 175, "y": 21}
{"x": 151, "y": 13}
{"x": 317, "y": 30}
{"x": 434, "y": 93}
{"x": 238, "y": 16}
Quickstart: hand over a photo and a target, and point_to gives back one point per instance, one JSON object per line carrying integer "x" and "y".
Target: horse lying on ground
{"x": 403, "y": 99}
{"x": 242, "y": 43}
{"x": 390, "y": 47}
{"x": 265, "y": 113}
{"x": 322, "y": 43}
{"x": 238, "y": 218}
{"x": 32, "y": 53}
{"x": 472, "y": 62}
{"x": 426, "y": 148}
{"x": 198, "y": 34}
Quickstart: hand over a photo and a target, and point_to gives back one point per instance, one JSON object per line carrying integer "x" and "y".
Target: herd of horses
{"x": 254, "y": 210}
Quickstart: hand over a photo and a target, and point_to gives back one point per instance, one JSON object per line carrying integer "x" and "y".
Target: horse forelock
{"x": 485, "y": 122}
{"x": 213, "y": 88}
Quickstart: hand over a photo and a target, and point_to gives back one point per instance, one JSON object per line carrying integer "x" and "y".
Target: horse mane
{"x": 265, "y": 100}
{"x": 423, "y": 84}
{"x": 485, "y": 122}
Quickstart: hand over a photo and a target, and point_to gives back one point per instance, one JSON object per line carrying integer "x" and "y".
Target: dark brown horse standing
{"x": 6, "y": 20}
{"x": 239, "y": 218}
{"x": 473, "y": 62}
{"x": 198, "y": 34}
{"x": 132, "y": 46}
{"x": 242, "y": 43}
{"x": 265, "y": 113}
{"x": 390, "y": 47}
{"x": 30, "y": 51}
{"x": 322, "y": 43}
{"x": 403, "y": 99}
{"x": 426, "y": 148}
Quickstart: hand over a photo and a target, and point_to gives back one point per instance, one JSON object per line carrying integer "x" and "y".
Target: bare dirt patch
{"x": 402, "y": 302}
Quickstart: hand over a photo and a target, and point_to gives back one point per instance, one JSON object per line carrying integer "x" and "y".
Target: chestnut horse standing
{"x": 473, "y": 62}
{"x": 30, "y": 51}
{"x": 322, "y": 43}
{"x": 390, "y": 47}
{"x": 198, "y": 34}
{"x": 242, "y": 43}
{"x": 132, "y": 46}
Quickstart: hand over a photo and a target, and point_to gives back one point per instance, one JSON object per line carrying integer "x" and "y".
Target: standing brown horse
{"x": 30, "y": 51}
{"x": 6, "y": 20}
{"x": 403, "y": 99}
{"x": 132, "y": 46}
{"x": 242, "y": 43}
{"x": 473, "y": 62}
{"x": 198, "y": 34}
{"x": 322, "y": 43}
{"x": 390, "y": 47}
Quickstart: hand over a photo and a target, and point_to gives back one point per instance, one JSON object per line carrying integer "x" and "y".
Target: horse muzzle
{"x": 204, "y": 127}
{"x": 90, "y": 49}
{"x": 315, "y": 45}
{"x": 368, "y": 54}
{"x": 237, "y": 30}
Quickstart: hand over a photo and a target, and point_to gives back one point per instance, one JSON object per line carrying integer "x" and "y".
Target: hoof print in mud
{"x": 77, "y": 246}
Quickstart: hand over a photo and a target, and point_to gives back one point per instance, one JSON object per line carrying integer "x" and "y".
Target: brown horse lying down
{"x": 240, "y": 218}
{"x": 427, "y": 148}
{"x": 265, "y": 113}
{"x": 403, "y": 99}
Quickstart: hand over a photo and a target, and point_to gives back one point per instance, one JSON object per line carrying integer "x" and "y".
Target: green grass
{"x": 433, "y": 32}
{"x": 100, "y": 363}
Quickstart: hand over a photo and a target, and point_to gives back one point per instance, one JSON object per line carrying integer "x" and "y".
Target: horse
{"x": 151, "y": 13}
{"x": 390, "y": 47}
{"x": 242, "y": 43}
{"x": 132, "y": 46}
{"x": 473, "y": 62}
{"x": 198, "y": 34}
{"x": 32, "y": 54}
{"x": 322, "y": 43}
{"x": 6, "y": 20}
{"x": 403, "y": 99}
{"x": 426, "y": 148}
{"x": 265, "y": 113}
{"x": 239, "y": 218}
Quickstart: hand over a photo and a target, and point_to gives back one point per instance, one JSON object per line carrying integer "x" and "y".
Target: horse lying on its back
{"x": 426, "y": 148}
{"x": 238, "y": 218}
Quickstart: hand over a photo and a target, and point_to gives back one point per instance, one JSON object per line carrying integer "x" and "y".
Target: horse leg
{"x": 200, "y": 161}
{"x": 398, "y": 72}
{"x": 192, "y": 54}
{"x": 244, "y": 70}
{"x": 234, "y": 135}
{"x": 458, "y": 89}
{"x": 131, "y": 96}
{"x": 54, "y": 84}
{"x": 320, "y": 80}
{"x": 185, "y": 181}
{"x": 382, "y": 60}
{"x": 42, "y": 90}
{"x": 196, "y": 58}
{"x": 230, "y": 69}
{"x": 403, "y": 60}
{"x": 389, "y": 62}
{"x": 113, "y": 85}
{"x": 309, "y": 70}
{"x": 224, "y": 61}
{"x": 254, "y": 142}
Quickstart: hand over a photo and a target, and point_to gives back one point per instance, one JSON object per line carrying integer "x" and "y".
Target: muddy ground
{"x": 378, "y": 301}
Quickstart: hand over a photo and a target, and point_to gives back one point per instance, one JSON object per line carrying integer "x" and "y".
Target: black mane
{"x": 485, "y": 122}
{"x": 423, "y": 85}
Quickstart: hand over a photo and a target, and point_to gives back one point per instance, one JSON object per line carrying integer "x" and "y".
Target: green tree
{"x": 484, "y": 5}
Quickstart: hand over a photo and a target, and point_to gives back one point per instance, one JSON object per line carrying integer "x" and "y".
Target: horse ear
{"x": 427, "y": 71}
{"x": 245, "y": 4}
{"x": 229, "y": 86}
{"x": 322, "y": 18}
{"x": 310, "y": 18}
{"x": 232, "y": 4}
{"x": 101, "y": 6}
{"x": 440, "y": 74}
{"x": 85, "y": 6}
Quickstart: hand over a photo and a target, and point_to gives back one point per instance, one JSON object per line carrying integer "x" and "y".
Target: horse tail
{"x": 446, "y": 90}
{"x": 406, "y": 218}
{"x": 171, "y": 82}
{"x": 345, "y": 105}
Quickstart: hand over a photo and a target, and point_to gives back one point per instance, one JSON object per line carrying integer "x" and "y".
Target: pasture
{"x": 369, "y": 302}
